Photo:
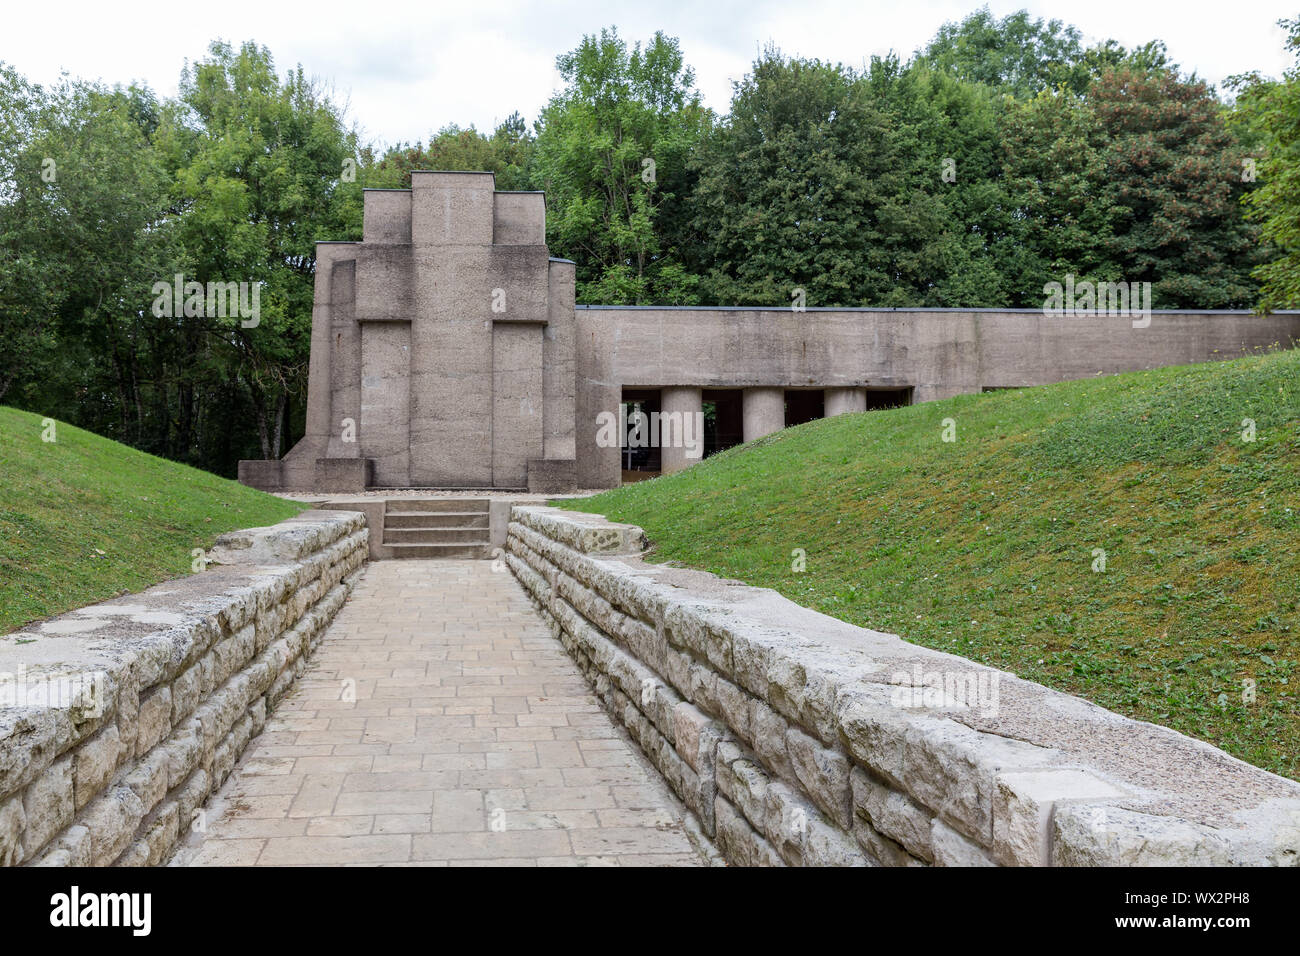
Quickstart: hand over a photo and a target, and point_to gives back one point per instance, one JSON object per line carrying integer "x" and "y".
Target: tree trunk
{"x": 263, "y": 425}
{"x": 280, "y": 404}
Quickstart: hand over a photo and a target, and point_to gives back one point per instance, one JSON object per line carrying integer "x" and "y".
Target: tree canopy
{"x": 1005, "y": 154}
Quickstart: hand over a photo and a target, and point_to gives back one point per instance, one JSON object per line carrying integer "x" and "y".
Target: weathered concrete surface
{"x": 844, "y": 401}
{"x": 468, "y": 737}
{"x": 117, "y": 719}
{"x": 447, "y": 352}
{"x": 442, "y": 347}
{"x": 764, "y": 411}
{"x": 798, "y": 738}
{"x": 937, "y": 352}
{"x": 683, "y": 407}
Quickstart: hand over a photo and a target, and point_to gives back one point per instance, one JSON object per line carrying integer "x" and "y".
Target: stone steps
{"x": 438, "y": 505}
{"x": 435, "y": 535}
{"x": 437, "y": 528}
{"x": 435, "y": 519}
{"x": 450, "y": 550}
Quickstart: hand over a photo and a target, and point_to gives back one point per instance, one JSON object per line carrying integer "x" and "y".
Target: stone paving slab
{"x": 439, "y": 723}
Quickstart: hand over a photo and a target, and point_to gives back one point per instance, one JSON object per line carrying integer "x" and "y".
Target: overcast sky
{"x": 407, "y": 69}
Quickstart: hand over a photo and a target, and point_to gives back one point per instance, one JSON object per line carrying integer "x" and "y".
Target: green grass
{"x": 984, "y": 546}
{"x": 84, "y": 518}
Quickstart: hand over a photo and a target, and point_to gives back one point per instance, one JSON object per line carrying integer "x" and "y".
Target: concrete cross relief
{"x": 446, "y": 338}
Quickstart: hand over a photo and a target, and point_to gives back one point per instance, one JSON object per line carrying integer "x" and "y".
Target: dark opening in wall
{"x": 804, "y": 405}
{"x": 639, "y": 463}
{"x": 724, "y": 421}
{"x": 888, "y": 397}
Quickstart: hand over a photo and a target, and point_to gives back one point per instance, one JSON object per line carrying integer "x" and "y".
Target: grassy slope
{"x": 983, "y": 547}
{"x": 85, "y": 518}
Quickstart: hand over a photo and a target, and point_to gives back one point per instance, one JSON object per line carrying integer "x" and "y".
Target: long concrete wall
{"x": 119, "y": 719}
{"x": 935, "y": 352}
{"x": 799, "y": 740}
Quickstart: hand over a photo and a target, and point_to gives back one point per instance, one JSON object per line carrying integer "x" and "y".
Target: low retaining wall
{"x": 797, "y": 739}
{"x": 119, "y": 719}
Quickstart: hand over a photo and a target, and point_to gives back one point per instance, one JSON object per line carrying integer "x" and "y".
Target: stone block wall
{"x": 118, "y": 720}
{"x": 796, "y": 739}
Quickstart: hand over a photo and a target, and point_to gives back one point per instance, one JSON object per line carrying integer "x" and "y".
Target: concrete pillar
{"x": 764, "y": 411}
{"x": 681, "y": 428}
{"x": 841, "y": 401}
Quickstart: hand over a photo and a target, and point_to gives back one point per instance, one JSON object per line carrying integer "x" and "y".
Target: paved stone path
{"x": 472, "y": 739}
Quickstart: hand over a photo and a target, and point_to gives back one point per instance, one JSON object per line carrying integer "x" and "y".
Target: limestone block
{"x": 148, "y": 780}
{"x": 893, "y": 814}
{"x": 725, "y": 756}
{"x": 155, "y": 719}
{"x": 688, "y": 725}
{"x": 644, "y": 641}
{"x": 874, "y": 732}
{"x": 786, "y": 821}
{"x": 48, "y": 805}
{"x": 1101, "y": 835}
{"x": 12, "y": 822}
{"x": 879, "y": 848}
{"x": 160, "y": 835}
{"x": 94, "y": 762}
{"x": 72, "y": 848}
{"x": 770, "y": 730}
{"x": 208, "y": 671}
{"x": 953, "y": 769}
{"x": 268, "y": 627}
{"x": 1023, "y": 805}
{"x": 826, "y": 845}
{"x": 749, "y": 665}
{"x": 749, "y": 791}
{"x": 738, "y": 841}
{"x": 677, "y": 669}
{"x": 702, "y": 687}
{"x": 187, "y": 689}
{"x": 824, "y": 775}
{"x": 30, "y": 739}
{"x": 150, "y": 660}
{"x": 663, "y": 701}
{"x": 239, "y": 611}
{"x": 189, "y": 800}
{"x": 234, "y": 652}
{"x": 182, "y": 752}
{"x": 954, "y": 849}
{"x": 112, "y": 819}
{"x": 258, "y": 715}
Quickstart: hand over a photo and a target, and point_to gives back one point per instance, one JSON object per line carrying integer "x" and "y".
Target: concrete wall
{"x": 797, "y": 739}
{"x": 165, "y": 689}
{"x": 937, "y": 352}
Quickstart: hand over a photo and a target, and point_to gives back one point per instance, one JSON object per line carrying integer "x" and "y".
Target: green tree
{"x": 950, "y": 194}
{"x": 1060, "y": 207}
{"x": 507, "y": 153}
{"x": 797, "y": 187}
{"x": 613, "y": 155}
{"x": 1269, "y": 112}
{"x": 1174, "y": 172}
{"x": 28, "y": 280}
{"x": 86, "y": 222}
{"x": 264, "y": 169}
{"x": 1016, "y": 54}
{"x": 860, "y": 190}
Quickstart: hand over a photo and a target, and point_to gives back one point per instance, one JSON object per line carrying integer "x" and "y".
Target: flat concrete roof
{"x": 902, "y": 308}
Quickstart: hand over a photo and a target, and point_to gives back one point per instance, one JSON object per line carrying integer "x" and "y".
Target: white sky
{"x": 407, "y": 69}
